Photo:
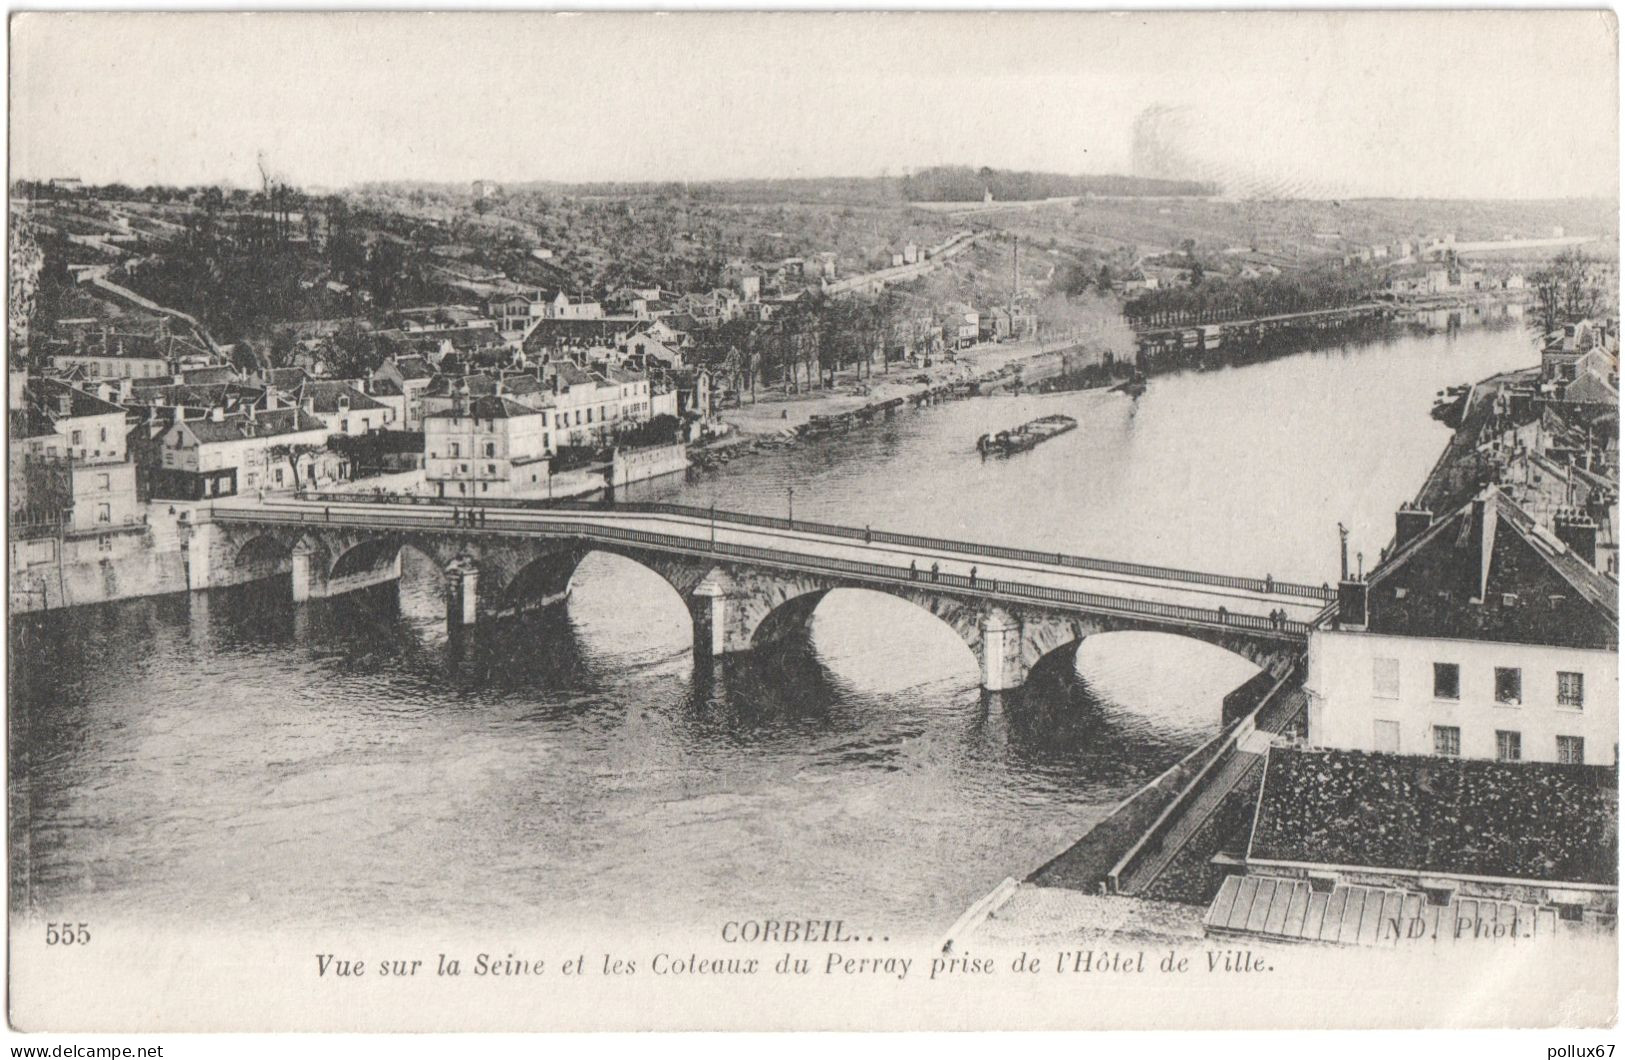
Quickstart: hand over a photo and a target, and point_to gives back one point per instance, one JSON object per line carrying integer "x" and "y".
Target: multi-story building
{"x": 1482, "y": 635}
{"x": 487, "y": 446}
{"x": 412, "y": 375}
{"x": 343, "y": 408}
{"x": 242, "y": 452}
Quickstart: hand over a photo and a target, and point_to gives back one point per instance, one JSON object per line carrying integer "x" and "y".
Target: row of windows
{"x": 1508, "y": 683}
{"x": 1508, "y": 743}
{"x": 490, "y": 448}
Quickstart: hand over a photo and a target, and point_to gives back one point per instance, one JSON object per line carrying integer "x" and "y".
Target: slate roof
{"x": 1437, "y": 815}
{"x": 239, "y": 426}
{"x": 324, "y": 395}
{"x": 548, "y": 334}
{"x": 488, "y": 407}
{"x": 47, "y": 394}
{"x": 1489, "y": 572}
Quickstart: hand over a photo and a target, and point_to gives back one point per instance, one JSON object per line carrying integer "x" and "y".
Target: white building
{"x": 486, "y": 447}
{"x": 1481, "y": 636}
{"x": 243, "y": 452}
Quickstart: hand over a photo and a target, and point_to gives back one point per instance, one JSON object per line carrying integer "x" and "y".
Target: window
{"x": 490, "y": 449}
{"x": 1508, "y": 746}
{"x": 104, "y": 434}
{"x": 1386, "y": 737}
{"x": 1447, "y": 740}
{"x": 1508, "y": 685}
{"x": 1385, "y": 678}
{"x": 1570, "y": 911}
{"x": 78, "y": 437}
{"x": 1571, "y": 689}
{"x": 1446, "y": 681}
{"x": 1571, "y": 750}
{"x": 104, "y": 482}
{"x": 455, "y": 451}
{"x": 104, "y": 513}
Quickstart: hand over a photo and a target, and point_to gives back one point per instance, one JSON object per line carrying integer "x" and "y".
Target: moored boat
{"x": 1020, "y": 439}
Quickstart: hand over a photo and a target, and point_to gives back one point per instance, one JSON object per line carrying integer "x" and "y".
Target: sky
{"x": 1438, "y": 104}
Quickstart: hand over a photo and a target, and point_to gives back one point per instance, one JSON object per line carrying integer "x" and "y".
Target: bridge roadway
{"x": 999, "y": 572}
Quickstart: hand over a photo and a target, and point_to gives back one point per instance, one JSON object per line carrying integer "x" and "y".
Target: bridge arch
{"x": 369, "y": 553}
{"x": 547, "y": 575}
{"x": 263, "y": 556}
{"x": 784, "y": 616}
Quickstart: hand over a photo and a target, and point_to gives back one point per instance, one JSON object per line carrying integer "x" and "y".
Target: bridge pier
{"x": 1002, "y": 665}
{"x": 462, "y": 595}
{"x": 717, "y": 616}
{"x": 300, "y": 570}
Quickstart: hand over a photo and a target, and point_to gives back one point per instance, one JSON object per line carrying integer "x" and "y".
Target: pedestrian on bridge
{"x": 327, "y": 514}
{"x": 973, "y": 577}
{"x": 868, "y": 538}
{"x": 913, "y": 571}
{"x": 934, "y": 569}
{"x": 1269, "y": 583}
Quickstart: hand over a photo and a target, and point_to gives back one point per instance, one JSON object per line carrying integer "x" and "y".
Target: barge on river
{"x": 1024, "y": 437}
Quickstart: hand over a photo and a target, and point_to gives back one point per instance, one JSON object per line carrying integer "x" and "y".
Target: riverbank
{"x": 1128, "y": 874}
{"x": 785, "y": 421}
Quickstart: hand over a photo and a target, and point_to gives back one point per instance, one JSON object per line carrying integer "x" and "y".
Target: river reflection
{"x": 231, "y": 757}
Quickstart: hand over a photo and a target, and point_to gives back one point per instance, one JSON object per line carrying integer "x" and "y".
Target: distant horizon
{"x": 1307, "y": 105}
{"x": 539, "y": 182}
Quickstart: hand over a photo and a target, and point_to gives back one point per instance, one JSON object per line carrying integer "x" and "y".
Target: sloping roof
{"x": 47, "y": 395}
{"x": 550, "y": 333}
{"x": 571, "y": 374}
{"x": 1489, "y": 572}
{"x": 219, "y": 374}
{"x": 414, "y": 366}
{"x": 239, "y": 426}
{"x": 325, "y": 396}
{"x": 488, "y": 407}
{"x": 1430, "y": 814}
{"x": 29, "y": 423}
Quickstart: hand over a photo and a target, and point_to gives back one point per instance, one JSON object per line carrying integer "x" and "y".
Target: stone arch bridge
{"x": 749, "y": 580}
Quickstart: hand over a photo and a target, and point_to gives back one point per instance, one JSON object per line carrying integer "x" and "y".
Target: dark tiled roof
{"x": 325, "y": 395}
{"x": 414, "y": 367}
{"x": 209, "y": 375}
{"x": 488, "y": 407}
{"x": 47, "y": 395}
{"x": 1530, "y": 588}
{"x": 1429, "y": 814}
{"x": 265, "y": 424}
{"x": 550, "y": 333}
{"x": 29, "y": 423}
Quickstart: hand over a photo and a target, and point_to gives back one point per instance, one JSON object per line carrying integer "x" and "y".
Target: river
{"x": 232, "y": 759}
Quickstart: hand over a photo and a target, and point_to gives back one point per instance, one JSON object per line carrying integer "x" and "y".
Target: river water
{"x": 230, "y": 758}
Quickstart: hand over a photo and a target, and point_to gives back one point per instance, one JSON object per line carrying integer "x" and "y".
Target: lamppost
{"x": 790, "y": 492}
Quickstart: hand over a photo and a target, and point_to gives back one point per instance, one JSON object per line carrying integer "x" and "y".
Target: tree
{"x": 293, "y": 453}
{"x": 1103, "y": 280}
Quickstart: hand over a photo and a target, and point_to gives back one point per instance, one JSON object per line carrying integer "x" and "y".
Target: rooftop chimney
{"x": 1409, "y": 523}
{"x": 1575, "y": 529}
{"x": 1352, "y": 596}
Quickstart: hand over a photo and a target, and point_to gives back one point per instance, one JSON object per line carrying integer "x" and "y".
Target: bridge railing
{"x": 874, "y": 572}
{"x": 888, "y": 537}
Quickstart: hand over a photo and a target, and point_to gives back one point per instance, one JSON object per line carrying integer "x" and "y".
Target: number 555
{"x": 67, "y": 934}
